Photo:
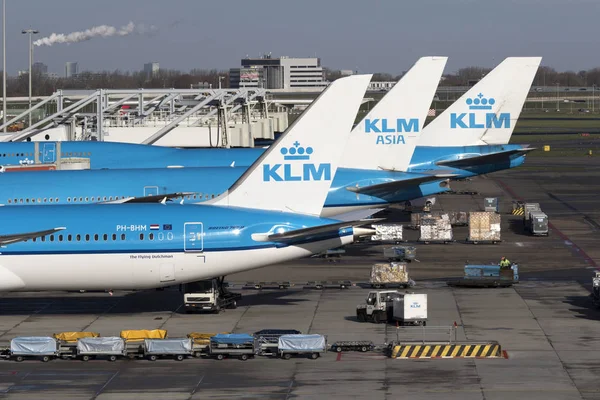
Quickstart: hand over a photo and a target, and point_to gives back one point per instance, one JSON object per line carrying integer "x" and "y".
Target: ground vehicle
{"x": 391, "y": 305}
{"x": 537, "y": 223}
{"x": 33, "y": 347}
{"x": 109, "y": 347}
{"x": 357, "y": 345}
{"x": 310, "y": 345}
{"x": 268, "y": 340}
{"x": 208, "y": 295}
{"x": 176, "y": 348}
{"x": 234, "y": 344}
{"x": 410, "y": 309}
{"x": 487, "y": 276}
{"x": 400, "y": 253}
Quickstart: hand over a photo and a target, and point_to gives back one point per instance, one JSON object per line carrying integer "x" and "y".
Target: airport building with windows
{"x": 278, "y": 73}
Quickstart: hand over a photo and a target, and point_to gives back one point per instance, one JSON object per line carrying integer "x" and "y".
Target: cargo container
{"x": 110, "y": 348}
{"x": 389, "y": 274}
{"x": 174, "y": 348}
{"x": 436, "y": 229}
{"x": 491, "y": 204}
{"x": 484, "y": 227}
{"x": 537, "y": 223}
{"x": 400, "y": 253}
{"x": 240, "y": 345}
{"x": 387, "y": 233}
{"x": 529, "y": 207}
{"x": 410, "y": 309}
{"x": 295, "y": 345}
{"x": 33, "y": 347}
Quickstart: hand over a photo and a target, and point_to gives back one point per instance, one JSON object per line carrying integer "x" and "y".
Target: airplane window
{"x": 34, "y": 239}
{"x": 206, "y": 197}
{"x": 60, "y": 238}
{"x": 92, "y": 199}
{"x": 33, "y": 200}
{"x": 45, "y": 199}
{"x": 89, "y": 153}
{"x": 87, "y": 199}
{"x": 96, "y": 237}
{"x": 169, "y": 236}
{"x": 81, "y": 199}
{"x": 69, "y": 237}
{"x": 151, "y": 236}
{"x": 68, "y": 199}
{"x": 21, "y": 201}
{"x": 4, "y": 155}
{"x": 141, "y": 236}
{"x": 161, "y": 236}
{"x": 26, "y": 200}
{"x": 105, "y": 237}
{"x": 212, "y": 196}
{"x": 39, "y": 200}
{"x": 110, "y": 198}
{"x": 78, "y": 237}
{"x": 104, "y": 198}
{"x": 122, "y": 236}
{"x": 43, "y": 238}
{"x": 9, "y": 201}
{"x": 114, "y": 236}
{"x": 87, "y": 237}
{"x": 50, "y": 199}
{"x": 52, "y": 238}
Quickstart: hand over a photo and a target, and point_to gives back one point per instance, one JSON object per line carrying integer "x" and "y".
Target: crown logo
{"x": 296, "y": 152}
{"x": 480, "y": 102}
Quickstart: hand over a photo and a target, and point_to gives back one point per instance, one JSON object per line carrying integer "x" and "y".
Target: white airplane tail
{"x": 386, "y": 138}
{"x": 488, "y": 112}
{"x": 295, "y": 173}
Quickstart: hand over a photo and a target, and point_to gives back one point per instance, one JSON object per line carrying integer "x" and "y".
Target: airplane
{"x": 370, "y": 174}
{"x": 256, "y": 222}
{"x": 466, "y": 139}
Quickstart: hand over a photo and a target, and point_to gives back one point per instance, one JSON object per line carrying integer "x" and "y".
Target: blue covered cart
{"x": 240, "y": 345}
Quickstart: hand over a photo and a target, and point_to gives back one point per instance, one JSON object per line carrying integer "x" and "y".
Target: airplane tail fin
{"x": 386, "y": 138}
{"x": 295, "y": 173}
{"x": 488, "y": 112}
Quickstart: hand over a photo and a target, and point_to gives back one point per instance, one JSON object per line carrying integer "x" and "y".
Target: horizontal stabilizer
{"x": 482, "y": 159}
{"x": 157, "y": 198}
{"x": 305, "y": 233}
{"x": 21, "y": 237}
{"x": 389, "y": 188}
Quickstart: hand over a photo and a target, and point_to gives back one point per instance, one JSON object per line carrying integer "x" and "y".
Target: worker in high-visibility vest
{"x": 505, "y": 263}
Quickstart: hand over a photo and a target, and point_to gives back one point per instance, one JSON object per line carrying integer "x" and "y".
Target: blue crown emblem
{"x": 296, "y": 152}
{"x": 481, "y": 103}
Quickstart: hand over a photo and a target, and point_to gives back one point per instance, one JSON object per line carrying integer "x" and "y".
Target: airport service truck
{"x": 208, "y": 296}
{"x": 391, "y": 305}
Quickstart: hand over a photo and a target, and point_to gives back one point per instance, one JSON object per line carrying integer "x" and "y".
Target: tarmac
{"x": 546, "y": 324}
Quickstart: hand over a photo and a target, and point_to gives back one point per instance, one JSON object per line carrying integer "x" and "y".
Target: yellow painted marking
{"x": 415, "y": 351}
{"x": 405, "y": 352}
{"x": 466, "y": 350}
{"x": 446, "y": 350}
{"x": 486, "y": 350}
{"x": 456, "y": 350}
{"x": 475, "y": 350}
{"x": 425, "y": 351}
{"x": 395, "y": 352}
{"x": 436, "y": 350}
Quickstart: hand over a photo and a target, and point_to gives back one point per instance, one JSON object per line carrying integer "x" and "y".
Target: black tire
{"x": 233, "y": 305}
{"x": 197, "y": 354}
{"x": 220, "y": 356}
{"x": 179, "y": 357}
{"x": 131, "y": 356}
{"x": 287, "y": 356}
{"x": 338, "y": 349}
{"x": 361, "y": 317}
{"x": 112, "y": 358}
{"x": 376, "y": 318}
{"x": 364, "y": 349}
{"x": 244, "y": 357}
{"x": 19, "y": 358}
{"x": 314, "y": 356}
{"x": 85, "y": 358}
{"x": 45, "y": 358}
{"x": 152, "y": 357}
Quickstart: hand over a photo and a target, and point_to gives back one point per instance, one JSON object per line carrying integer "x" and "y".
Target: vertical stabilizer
{"x": 488, "y": 112}
{"x": 295, "y": 173}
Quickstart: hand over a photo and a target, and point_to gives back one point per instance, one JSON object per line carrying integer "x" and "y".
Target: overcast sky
{"x": 368, "y": 36}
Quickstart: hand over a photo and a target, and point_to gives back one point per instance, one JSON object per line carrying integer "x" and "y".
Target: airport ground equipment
{"x": 175, "y": 348}
{"x": 484, "y": 227}
{"x": 295, "y": 345}
{"x": 391, "y": 233}
{"x": 537, "y": 223}
{"x": 491, "y": 204}
{"x": 268, "y": 340}
{"x": 393, "y": 274}
{"x": 457, "y": 218}
{"x": 67, "y": 342}
{"x": 436, "y": 228}
{"x": 267, "y": 285}
{"x": 487, "y": 276}
{"x": 239, "y": 345}
{"x": 208, "y": 296}
{"x": 319, "y": 285}
{"x": 596, "y": 289}
{"x": 400, "y": 253}
{"x": 201, "y": 342}
{"x": 110, "y": 348}
{"x": 42, "y": 348}
{"x": 529, "y": 207}
{"x": 518, "y": 207}
{"x": 353, "y": 345}
{"x": 134, "y": 340}
{"x": 332, "y": 253}
{"x": 410, "y": 309}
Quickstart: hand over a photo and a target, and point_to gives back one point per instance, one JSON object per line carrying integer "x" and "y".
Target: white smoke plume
{"x": 96, "y": 31}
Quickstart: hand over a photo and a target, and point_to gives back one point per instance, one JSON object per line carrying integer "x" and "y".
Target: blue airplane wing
{"x": 304, "y": 233}
{"x": 389, "y": 188}
{"x": 484, "y": 158}
{"x": 21, "y": 237}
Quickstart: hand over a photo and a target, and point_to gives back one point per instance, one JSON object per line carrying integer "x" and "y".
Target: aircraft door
{"x": 193, "y": 236}
{"x": 167, "y": 272}
{"x": 49, "y": 153}
{"x": 150, "y": 190}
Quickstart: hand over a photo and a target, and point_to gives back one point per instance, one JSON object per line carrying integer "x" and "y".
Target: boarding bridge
{"x": 167, "y": 117}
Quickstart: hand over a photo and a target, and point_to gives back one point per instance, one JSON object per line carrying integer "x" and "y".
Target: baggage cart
{"x": 268, "y": 339}
{"x": 67, "y": 342}
{"x": 43, "y": 348}
{"x": 110, "y": 348}
{"x": 349, "y": 345}
{"x": 392, "y": 274}
{"x": 400, "y": 253}
{"x": 177, "y": 348}
{"x": 239, "y": 345}
{"x": 487, "y": 276}
{"x": 484, "y": 227}
{"x": 201, "y": 342}
{"x": 311, "y": 346}
{"x": 134, "y": 340}
{"x": 391, "y": 233}
{"x": 436, "y": 229}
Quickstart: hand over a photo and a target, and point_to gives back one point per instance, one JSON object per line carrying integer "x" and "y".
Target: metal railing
{"x": 425, "y": 334}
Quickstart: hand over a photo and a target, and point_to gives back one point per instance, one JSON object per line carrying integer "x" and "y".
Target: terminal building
{"x": 278, "y": 73}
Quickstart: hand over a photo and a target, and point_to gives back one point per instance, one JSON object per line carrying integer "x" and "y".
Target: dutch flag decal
{"x": 154, "y": 227}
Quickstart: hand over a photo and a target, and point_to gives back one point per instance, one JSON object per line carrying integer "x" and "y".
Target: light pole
{"x": 593, "y": 90}
{"x": 221, "y": 77}
{"x": 557, "y": 105}
{"x": 31, "y": 32}
{"x": 4, "y": 65}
